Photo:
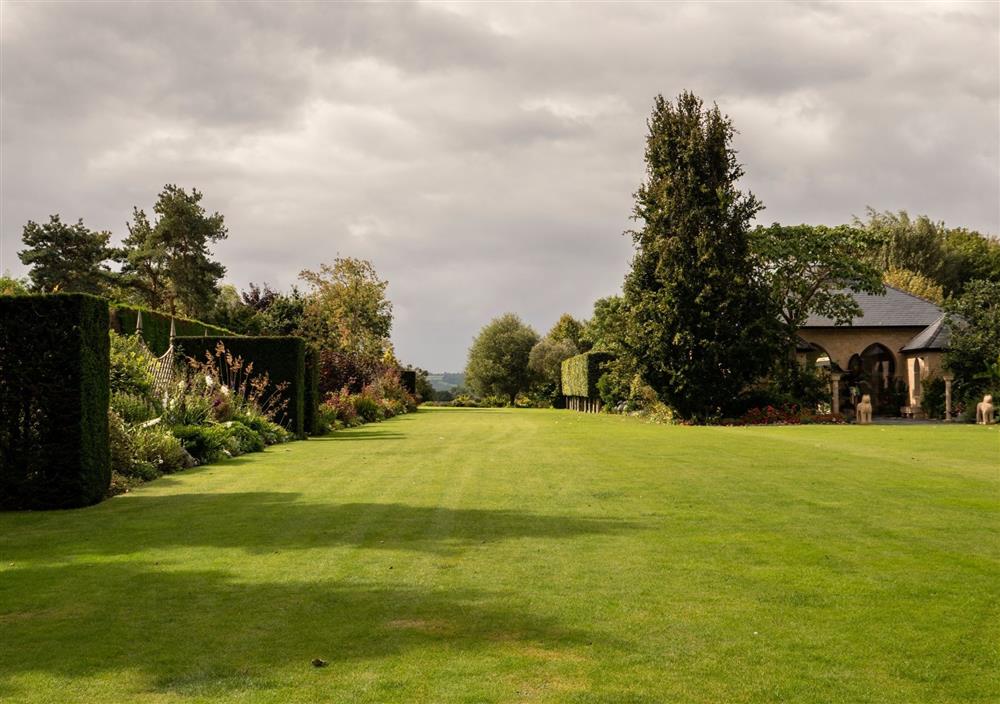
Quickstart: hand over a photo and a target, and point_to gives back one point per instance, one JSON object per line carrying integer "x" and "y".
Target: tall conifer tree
{"x": 699, "y": 325}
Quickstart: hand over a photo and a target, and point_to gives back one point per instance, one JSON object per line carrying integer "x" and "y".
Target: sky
{"x": 482, "y": 156}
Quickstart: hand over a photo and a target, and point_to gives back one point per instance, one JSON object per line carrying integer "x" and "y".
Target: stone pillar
{"x": 948, "y": 378}
{"x": 835, "y": 393}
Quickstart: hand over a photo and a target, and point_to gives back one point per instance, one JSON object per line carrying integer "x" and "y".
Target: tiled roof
{"x": 894, "y": 309}
{"x": 935, "y": 336}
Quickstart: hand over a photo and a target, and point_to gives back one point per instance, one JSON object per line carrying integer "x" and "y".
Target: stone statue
{"x": 863, "y": 411}
{"x": 984, "y": 411}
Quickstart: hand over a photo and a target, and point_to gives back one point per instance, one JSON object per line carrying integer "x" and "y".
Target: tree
{"x": 280, "y": 313}
{"x": 346, "y": 308}
{"x": 812, "y": 269}
{"x": 969, "y": 256}
{"x": 168, "y": 261}
{"x": 9, "y": 286}
{"x": 914, "y": 283}
{"x": 903, "y": 243}
{"x": 698, "y": 322}
{"x": 498, "y": 358}
{"x": 69, "y": 258}
{"x": 570, "y": 329}
{"x": 545, "y": 362}
{"x": 974, "y": 351}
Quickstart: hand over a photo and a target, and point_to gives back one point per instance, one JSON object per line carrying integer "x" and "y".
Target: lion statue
{"x": 984, "y": 411}
{"x": 863, "y": 411}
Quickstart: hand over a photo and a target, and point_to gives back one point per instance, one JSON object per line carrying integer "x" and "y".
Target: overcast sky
{"x": 482, "y": 156}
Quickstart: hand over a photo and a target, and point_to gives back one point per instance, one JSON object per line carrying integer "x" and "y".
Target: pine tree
{"x": 69, "y": 258}
{"x": 168, "y": 262}
{"x": 699, "y": 326}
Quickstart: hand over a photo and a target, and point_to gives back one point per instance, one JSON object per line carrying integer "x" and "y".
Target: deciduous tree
{"x": 498, "y": 358}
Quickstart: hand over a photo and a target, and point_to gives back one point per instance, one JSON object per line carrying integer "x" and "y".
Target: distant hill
{"x": 446, "y": 381}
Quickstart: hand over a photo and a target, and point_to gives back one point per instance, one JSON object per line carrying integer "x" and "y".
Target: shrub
{"x": 367, "y": 408}
{"x": 161, "y": 449}
{"x": 125, "y": 459}
{"x": 932, "y": 400}
{"x": 130, "y": 366}
{"x": 184, "y": 408}
{"x": 312, "y": 421}
{"x": 271, "y": 433}
{"x": 54, "y": 400}
{"x": 133, "y": 408}
{"x": 206, "y": 443}
{"x": 247, "y": 440}
{"x": 282, "y": 359}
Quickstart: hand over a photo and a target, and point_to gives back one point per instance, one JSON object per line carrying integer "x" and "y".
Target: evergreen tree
{"x": 699, "y": 325}
{"x": 168, "y": 261}
{"x": 70, "y": 258}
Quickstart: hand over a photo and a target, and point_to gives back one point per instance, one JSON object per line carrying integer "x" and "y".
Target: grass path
{"x": 539, "y": 556}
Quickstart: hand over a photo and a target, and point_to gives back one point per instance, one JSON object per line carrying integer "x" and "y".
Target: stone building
{"x": 889, "y": 352}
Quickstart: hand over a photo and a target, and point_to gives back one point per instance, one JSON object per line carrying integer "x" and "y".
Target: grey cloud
{"x": 483, "y": 155}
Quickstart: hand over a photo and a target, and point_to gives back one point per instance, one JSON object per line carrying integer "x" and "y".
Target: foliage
{"x": 280, "y": 359}
{"x": 914, "y": 284}
{"x": 545, "y": 361}
{"x": 67, "y": 258}
{"x": 134, "y": 408}
{"x": 904, "y": 243}
{"x": 143, "y": 453}
{"x": 367, "y": 408}
{"x": 570, "y": 330}
{"x": 813, "y": 270}
{"x": 498, "y": 358}
{"x": 167, "y": 262}
{"x": 933, "y": 397}
{"x": 54, "y": 396}
{"x": 346, "y": 309}
{"x": 969, "y": 256}
{"x": 605, "y": 331}
{"x": 205, "y": 443}
{"x": 698, "y": 322}
{"x": 130, "y": 370}
{"x": 581, "y": 373}
{"x": 974, "y": 353}
{"x": 247, "y": 439}
{"x": 9, "y": 286}
{"x": 424, "y": 389}
{"x": 786, "y": 414}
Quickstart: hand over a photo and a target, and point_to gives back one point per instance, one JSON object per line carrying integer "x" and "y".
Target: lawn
{"x": 512, "y": 555}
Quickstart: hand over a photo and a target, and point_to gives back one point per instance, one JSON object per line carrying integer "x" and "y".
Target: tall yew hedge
{"x": 283, "y": 358}
{"x": 54, "y": 392}
{"x": 156, "y": 326}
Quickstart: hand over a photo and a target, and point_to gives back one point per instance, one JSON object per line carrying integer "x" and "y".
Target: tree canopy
{"x": 168, "y": 261}
{"x": 498, "y": 358}
{"x": 64, "y": 257}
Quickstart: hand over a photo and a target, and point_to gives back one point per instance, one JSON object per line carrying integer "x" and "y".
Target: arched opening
{"x": 873, "y": 372}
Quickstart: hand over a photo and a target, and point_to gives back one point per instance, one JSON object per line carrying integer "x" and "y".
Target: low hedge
{"x": 54, "y": 395}
{"x": 156, "y": 326}
{"x": 283, "y": 358}
{"x": 581, "y": 373}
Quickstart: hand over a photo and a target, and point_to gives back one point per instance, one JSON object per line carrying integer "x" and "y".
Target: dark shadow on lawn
{"x": 201, "y": 633}
{"x": 267, "y": 521}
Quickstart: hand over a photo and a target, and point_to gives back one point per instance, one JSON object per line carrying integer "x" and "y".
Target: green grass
{"x": 504, "y": 556}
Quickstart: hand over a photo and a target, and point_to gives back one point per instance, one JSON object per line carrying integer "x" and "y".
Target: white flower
{"x": 208, "y": 381}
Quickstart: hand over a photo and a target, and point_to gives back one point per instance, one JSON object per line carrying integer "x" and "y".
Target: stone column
{"x": 835, "y": 393}
{"x": 948, "y": 378}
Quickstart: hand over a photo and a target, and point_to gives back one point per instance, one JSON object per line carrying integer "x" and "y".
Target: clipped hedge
{"x": 55, "y": 371}
{"x": 283, "y": 358}
{"x": 580, "y": 374}
{"x": 408, "y": 379}
{"x": 156, "y": 326}
{"x": 311, "y": 400}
